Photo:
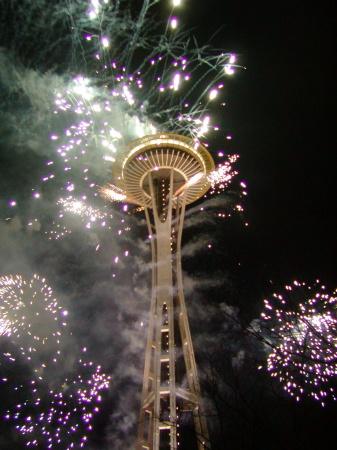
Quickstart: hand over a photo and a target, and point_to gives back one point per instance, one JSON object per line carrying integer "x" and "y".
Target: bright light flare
{"x": 176, "y": 81}
{"x": 174, "y": 23}
{"x": 204, "y": 127}
{"x": 213, "y": 94}
{"x": 232, "y": 59}
{"x": 105, "y": 42}
{"x": 229, "y": 69}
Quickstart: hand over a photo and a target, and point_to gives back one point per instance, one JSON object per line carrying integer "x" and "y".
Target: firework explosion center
{"x": 164, "y": 173}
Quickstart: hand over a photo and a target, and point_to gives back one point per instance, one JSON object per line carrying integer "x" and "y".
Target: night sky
{"x": 280, "y": 116}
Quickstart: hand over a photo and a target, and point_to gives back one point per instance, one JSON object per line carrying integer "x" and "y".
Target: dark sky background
{"x": 280, "y": 115}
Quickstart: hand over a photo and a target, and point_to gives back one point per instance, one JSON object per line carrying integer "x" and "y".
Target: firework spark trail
{"x": 32, "y": 319}
{"x": 160, "y": 80}
{"x": 304, "y": 340}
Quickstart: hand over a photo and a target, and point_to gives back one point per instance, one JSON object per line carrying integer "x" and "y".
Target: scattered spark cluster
{"x": 80, "y": 208}
{"x": 55, "y": 408}
{"x": 30, "y": 314}
{"x": 89, "y": 216}
{"x": 223, "y": 175}
{"x": 61, "y": 418}
{"x": 304, "y": 340}
{"x": 94, "y": 219}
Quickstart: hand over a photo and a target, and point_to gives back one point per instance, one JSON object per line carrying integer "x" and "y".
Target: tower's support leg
{"x": 167, "y": 403}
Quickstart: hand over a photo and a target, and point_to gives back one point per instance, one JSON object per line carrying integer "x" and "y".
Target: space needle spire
{"x": 164, "y": 173}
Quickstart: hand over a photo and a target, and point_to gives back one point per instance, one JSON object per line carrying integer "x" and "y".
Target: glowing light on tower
{"x": 164, "y": 173}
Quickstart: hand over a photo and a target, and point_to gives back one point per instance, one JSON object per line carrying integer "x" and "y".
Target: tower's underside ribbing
{"x": 163, "y": 173}
{"x": 188, "y": 158}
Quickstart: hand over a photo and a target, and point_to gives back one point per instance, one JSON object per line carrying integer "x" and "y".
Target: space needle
{"x": 163, "y": 173}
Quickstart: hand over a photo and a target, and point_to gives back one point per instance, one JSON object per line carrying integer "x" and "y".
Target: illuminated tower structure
{"x": 164, "y": 173}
